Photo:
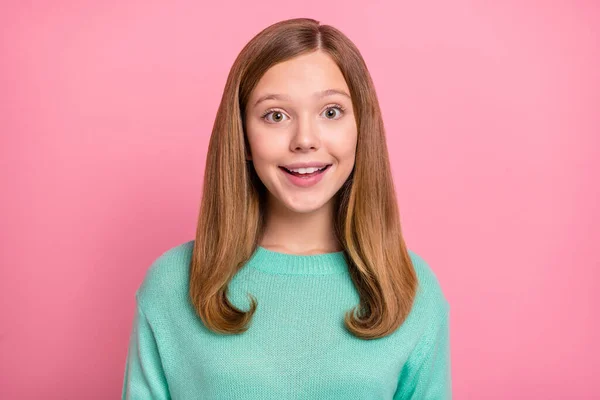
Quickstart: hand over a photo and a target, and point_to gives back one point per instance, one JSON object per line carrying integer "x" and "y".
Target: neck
{"x": 299, "y": 233}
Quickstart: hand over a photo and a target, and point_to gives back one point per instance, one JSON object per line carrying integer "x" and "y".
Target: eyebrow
{"x": 318, "y": 95}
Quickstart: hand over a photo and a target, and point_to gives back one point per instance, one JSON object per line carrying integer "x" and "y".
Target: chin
{"x": 303, "y": 206}
{"x": 302, "y": 210}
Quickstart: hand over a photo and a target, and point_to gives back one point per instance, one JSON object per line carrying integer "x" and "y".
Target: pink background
{"x": 492, "y": 117}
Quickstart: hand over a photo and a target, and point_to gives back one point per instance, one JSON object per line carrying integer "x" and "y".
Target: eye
{"x": 277, "y": 115}
{"x": 328, "y": 112}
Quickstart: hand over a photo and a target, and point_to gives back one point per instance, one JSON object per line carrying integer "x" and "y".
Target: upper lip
{"x": 314, "y": 164}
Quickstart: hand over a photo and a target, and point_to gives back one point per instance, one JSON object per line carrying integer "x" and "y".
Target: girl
{"x": 298, "y": 284}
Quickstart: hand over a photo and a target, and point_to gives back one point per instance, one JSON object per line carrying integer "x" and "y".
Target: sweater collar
{"x": 294, "y": 264}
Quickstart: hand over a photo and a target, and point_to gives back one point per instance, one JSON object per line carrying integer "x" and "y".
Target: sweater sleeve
{"x": 426, "y": 374}
{"x": 144, "y": 375}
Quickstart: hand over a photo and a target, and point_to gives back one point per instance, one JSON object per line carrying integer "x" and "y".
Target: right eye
{"x": 277, "y": 116}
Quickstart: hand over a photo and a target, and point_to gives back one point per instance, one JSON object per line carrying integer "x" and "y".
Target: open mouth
{"x": 300, "y": 175}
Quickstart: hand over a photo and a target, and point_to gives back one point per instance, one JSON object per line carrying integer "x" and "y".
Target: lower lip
{"x": 304, "y": 182}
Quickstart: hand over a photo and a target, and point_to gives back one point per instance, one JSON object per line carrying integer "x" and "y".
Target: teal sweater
{"x": 296, "y": 346}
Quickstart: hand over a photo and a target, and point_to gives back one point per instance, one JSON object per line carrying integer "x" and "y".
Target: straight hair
{"x": 231, "y": 219}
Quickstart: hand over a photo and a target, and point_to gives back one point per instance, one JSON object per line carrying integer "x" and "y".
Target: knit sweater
{"x": 296, "y": 346}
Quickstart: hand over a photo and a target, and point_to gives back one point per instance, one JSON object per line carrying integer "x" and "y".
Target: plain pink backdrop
{"x": 491, "y": 112}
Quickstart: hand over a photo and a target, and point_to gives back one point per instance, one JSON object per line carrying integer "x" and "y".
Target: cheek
{"x": 262, "y": 145}
{"x": 267, "y": 150}
{"x": 342, "y": 145}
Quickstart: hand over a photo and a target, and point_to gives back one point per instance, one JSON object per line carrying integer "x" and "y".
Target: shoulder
{"x": 430, "y": 296}
{"x": 167, "y": 275}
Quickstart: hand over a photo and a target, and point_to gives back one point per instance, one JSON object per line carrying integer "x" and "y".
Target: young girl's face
{"x": 299, "y": 113}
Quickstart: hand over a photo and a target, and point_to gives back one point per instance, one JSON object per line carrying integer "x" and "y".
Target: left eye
{"x": 328, "y": 111}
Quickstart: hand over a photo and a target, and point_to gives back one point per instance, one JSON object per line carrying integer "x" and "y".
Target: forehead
{"x": 301, "y": 76}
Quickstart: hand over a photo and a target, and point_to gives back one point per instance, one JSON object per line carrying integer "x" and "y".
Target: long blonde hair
{"x": 232, "y": 210}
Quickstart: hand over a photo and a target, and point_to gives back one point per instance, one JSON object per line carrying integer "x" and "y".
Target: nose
{"x": 306, "y": 135}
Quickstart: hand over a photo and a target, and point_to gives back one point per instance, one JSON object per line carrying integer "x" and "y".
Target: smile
{"x": 305, "y": 180}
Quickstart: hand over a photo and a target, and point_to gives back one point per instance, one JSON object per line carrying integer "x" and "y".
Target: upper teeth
{"x": 306, "y": 170}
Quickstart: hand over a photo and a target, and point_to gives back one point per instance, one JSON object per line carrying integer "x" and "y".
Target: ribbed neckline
{"x": 274, "y": 262}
